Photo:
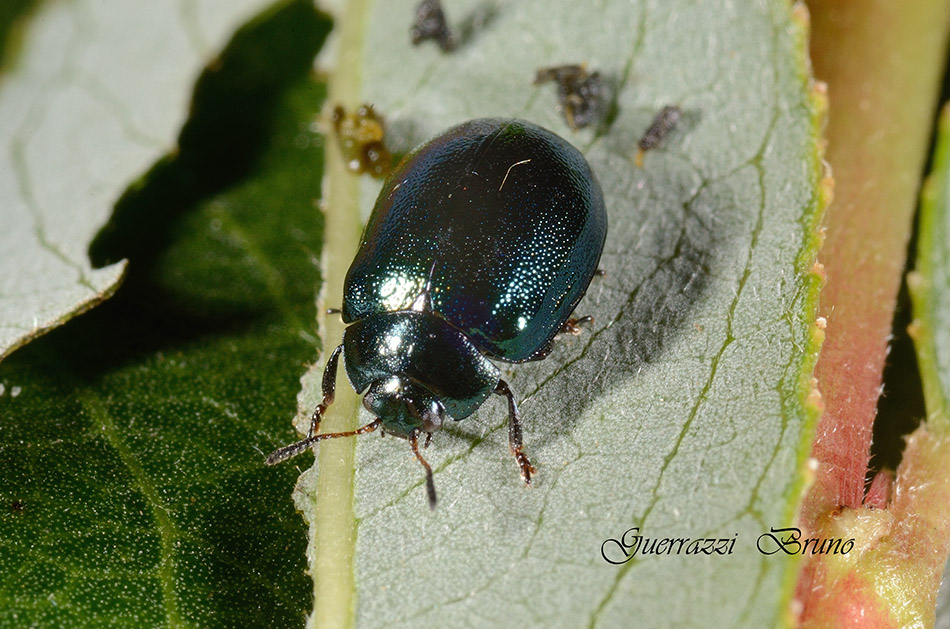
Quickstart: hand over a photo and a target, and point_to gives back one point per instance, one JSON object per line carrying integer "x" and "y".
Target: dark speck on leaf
{"x": 580, "y": 94}
{"x": 431, "y": 24}
{"x": 664, "y": 122}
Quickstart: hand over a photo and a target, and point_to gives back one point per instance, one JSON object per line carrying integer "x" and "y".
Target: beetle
{"x": 480, "y": 245}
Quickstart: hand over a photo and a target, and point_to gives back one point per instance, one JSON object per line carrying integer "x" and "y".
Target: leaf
{"x": 684, "y": 411}
{"x": 85, "y": 107}
{"x": 10, "y": 14}
{"x": 930, "y": 284}
{"x": 132, "y": 439}
{"x": 922, "y": 516}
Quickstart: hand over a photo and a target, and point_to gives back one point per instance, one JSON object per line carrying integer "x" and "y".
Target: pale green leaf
{"x": 930, "y": 284}
{"x": 930, "y": 290}
{"x": 94, "y": 94}
{"x": 683, "y": 411}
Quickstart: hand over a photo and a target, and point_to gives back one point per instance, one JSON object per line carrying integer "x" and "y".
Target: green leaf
{"x": 930, "y": 285}
{"x": 684, "y": 411}
{"x": 11, "y": 13}
{"x": 93, "y": 93}
{"x": 132, "y": 439}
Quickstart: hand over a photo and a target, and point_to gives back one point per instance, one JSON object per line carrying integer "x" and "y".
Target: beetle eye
{"x": 383, "y": 398}
{"x": 368, "y": 399}
{"x": 429, "y": 412}
{"x": 433, "y": 416}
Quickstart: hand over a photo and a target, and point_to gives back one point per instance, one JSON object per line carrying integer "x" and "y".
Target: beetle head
{"x": 404, "y": 406}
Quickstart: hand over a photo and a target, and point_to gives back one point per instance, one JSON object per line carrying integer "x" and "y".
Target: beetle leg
{"x": 428, "y": 439}
{"x": 514, "y": 432}
{"x": 573, "y": 326}
{"x": 329, "y": 392}
{"x": 430, "y": 484}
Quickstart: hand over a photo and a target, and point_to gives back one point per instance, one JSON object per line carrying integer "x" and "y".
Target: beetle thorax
{"x": 415, "y": 369}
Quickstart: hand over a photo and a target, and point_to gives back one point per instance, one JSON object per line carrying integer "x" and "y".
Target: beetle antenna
{"x": 294, "y": 449}
{"x": 430, "y": 484}
{"x": 288, "y": 452}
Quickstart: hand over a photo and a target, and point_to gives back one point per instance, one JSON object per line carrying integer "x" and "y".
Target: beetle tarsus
{"x": 526, "y": 468}
{"x": 573, "y": 326}
{"x": 514, "y": 432}
{"x": 430, "y": 483}
{"x": 315, "y": 418}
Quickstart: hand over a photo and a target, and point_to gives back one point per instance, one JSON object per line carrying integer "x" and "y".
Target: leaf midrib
{"x": 332, "y": 521}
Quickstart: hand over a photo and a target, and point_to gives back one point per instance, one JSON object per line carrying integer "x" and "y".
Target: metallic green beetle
{"x": 481, "y": 244}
